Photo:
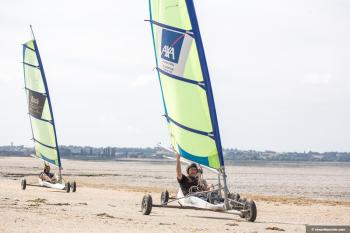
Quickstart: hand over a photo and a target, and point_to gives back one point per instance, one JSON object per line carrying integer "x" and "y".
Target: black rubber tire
{"x": 67, "y": 188}
{"x": 23, "y": 184}
{"x": 164, "y": 197}
{"x": 251, "y": 215}
{"x": 74, "y": 186}
{"x": 146, "y": 204}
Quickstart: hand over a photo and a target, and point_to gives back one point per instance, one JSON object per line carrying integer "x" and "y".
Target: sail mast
{"x": 31, "y": 29}
{"x": 210, "y": 97}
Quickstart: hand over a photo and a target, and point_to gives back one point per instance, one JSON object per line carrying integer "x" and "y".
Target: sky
{"x": 280, "y": 72}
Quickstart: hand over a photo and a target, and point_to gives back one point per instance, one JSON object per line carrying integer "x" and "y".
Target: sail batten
{"x": 184, "y": 80}
{"x": 41, "y": 119}
{"x": 26, "y": 88}
{"x": 27, "y": 47}
{"x": 39, "y": 106}
{"x": 209, "y": 134}
{"x": 200, "y": 83}
{"x": 188, "y": 32}
{"x": 34, "y": 66}
{"x": 43, "y": 144}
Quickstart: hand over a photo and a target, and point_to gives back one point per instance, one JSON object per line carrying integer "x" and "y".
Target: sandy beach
{"x": 109, "y": 195}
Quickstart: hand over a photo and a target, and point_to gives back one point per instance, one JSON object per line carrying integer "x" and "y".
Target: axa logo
{"x": 171, "y": 45}
{"x": 168, "y": 52}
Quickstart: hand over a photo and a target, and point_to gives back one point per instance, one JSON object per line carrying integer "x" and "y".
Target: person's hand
{"x": 177, "y": 156}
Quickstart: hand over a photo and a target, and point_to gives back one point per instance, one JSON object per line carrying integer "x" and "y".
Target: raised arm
{"x": 178, "y": 167}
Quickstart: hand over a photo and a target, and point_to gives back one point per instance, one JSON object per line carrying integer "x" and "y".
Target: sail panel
{"x": 43, "y": 132}
{"x": 194, "y": 147}
{"x": 30, "y": 57}
{"x": 171, "y": 12}
{"x": 186, "y": 104}
{"x": 47, "y": 154}
{"x": 46, "y": 112}
{"x": 184, "y": 88}
{"x": 39, "y": 109}
{"x": 33, "y": 79}
{"x": 38, "y": 105}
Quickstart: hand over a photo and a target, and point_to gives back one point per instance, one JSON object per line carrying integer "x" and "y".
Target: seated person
{"x": 191, "y": 182}
{"x": 47, "y": 176}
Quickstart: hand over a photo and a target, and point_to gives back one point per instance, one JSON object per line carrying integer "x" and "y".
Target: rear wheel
{"x": 164, "y": 198}
{"x": 250, "y": 211}
{"x": 146, "y": 205}
{"x": 67, "y": 187}
{"x": 23, "y": 184}
{"x": 74, "y": 186}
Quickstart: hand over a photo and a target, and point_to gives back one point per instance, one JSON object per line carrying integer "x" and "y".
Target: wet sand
{"x": 109, "y": 195}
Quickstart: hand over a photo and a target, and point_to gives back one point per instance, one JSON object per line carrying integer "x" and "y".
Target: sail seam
{"x": 40, "y": 119}
{"x": 28, "y": 47}
{"x": 25, "y": 63}
{"x": 210, "y": 134}
{"x": 155, "y": 54}
{"x": 43, "y": 144}
{"x": 201, "y": 84}
{"x": 28, "y": 89}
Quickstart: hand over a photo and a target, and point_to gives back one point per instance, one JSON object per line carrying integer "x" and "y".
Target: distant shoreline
{"x": 121, "y": 153}
{"x": 228, "y": 162}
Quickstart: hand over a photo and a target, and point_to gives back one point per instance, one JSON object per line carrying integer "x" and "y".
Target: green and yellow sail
{"x": 185, "y": 83}
{"x": 39, "y": 106}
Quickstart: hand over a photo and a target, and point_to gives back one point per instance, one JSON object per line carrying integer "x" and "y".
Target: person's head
{"x": 192, "y": 170}
{"x": 47, "y": 168}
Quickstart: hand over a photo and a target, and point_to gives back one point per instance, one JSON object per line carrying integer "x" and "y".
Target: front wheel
{"x": 250, "y": 211}
{"x": 23, "y": 184}
{"x": 146, "y": 205}
{"x": 164, "y": 198}
{"x": 67, "y": 187}
{"x": 74, "y": 186}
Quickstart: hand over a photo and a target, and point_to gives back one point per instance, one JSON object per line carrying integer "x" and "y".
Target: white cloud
{"x": 317, "y": 79}
{"x": 133, "y": 130}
